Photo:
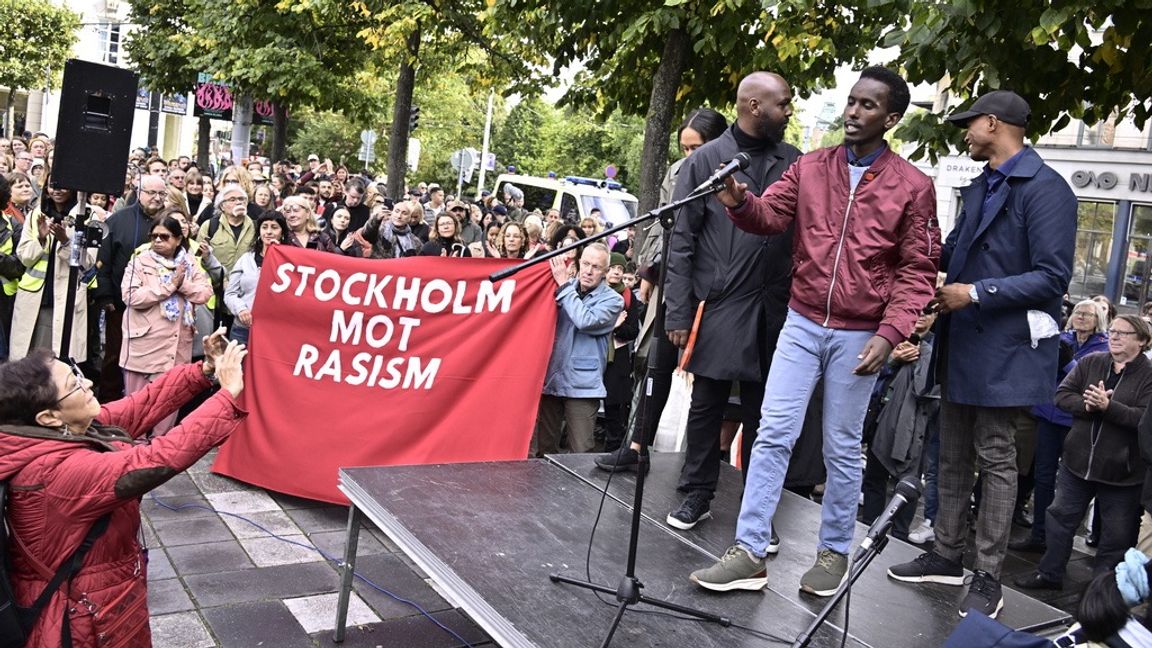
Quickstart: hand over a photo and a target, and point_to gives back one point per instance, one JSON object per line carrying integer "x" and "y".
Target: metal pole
{"x": 487, "y": 140}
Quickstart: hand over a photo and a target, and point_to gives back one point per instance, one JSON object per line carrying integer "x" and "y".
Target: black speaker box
{"x": 94, "y": 131}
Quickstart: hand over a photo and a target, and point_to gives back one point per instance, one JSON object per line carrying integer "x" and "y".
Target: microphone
{"x": 738, "y": 163}
{"x": 907, "y": 492}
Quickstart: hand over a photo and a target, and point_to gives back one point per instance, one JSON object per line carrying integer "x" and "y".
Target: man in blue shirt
{"x": 1009, "y": 261}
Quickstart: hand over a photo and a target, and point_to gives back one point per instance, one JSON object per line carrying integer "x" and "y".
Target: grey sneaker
{"x": 826, "y": 575}
{"x": 737, "y": 569}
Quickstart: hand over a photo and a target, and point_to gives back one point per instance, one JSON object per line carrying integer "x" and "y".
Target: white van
{"x": 575, "y": 197}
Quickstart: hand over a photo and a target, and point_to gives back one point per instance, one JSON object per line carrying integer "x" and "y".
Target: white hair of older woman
{"x": 1099, "y": 309}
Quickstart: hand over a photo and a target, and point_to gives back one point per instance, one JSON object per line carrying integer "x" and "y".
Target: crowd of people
{"x": 181, "y": 257}
{"x": 823, "y": 313}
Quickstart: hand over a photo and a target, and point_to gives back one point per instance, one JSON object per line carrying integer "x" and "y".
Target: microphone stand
{"x": 859, "y": 563}
{"x": 627, "y": 591}
{"x": 78, "y": 244}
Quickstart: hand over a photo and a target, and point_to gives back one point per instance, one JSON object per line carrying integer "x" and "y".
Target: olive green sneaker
{"x": 826, "y": 575}
{"x": 737, "y": 569}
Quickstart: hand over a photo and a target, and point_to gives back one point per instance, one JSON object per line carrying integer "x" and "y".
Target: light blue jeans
{"x": 806, "y": 351}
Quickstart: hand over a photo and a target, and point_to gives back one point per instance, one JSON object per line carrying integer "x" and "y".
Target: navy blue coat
{"x": 1020, "y": 258}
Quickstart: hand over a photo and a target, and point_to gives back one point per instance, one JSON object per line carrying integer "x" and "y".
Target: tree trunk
{"x": 204, "y": 144}
{"x": 241, "y": 127}
{"x": 658, "y": 121}
{"x": 402, "y": 106}
{"x": 279, "y": 131}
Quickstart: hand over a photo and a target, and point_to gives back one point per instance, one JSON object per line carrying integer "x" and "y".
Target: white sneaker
{"x": 922, "y": 534}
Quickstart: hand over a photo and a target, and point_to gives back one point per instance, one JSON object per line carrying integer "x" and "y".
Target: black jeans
{"x": 1120, "y": 512}
{"x": 662, "y": 358}
{"x": 702, "y": 435}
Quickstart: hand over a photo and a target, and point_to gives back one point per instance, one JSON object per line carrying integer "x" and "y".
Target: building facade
{"x": 104, "y": 26}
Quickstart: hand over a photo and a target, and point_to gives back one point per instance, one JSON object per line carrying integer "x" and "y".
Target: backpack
{"x": 16, "y": 622}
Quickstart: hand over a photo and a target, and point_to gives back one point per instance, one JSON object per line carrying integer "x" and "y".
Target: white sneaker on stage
{"x": 922, "y": 534}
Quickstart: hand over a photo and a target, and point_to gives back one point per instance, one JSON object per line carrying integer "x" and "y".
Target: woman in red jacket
{"x": 70, "y": 461}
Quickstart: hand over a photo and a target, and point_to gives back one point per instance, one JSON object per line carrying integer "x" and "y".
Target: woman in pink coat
{"x": 70, "y": 461}
{"x": 162, "y": 287}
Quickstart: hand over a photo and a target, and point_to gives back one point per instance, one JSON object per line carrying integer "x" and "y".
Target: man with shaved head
{"x": 864, "y": 256}
{"x": 128, "y": 228}
{"x": 740, "y": 279}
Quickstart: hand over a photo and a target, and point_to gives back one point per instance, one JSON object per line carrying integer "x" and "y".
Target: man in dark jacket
{"x": 864, "y": 265}
{"x": 1009, "y": 260}
{"x": 128, "y": 228}
{"x": 741, "y": 278}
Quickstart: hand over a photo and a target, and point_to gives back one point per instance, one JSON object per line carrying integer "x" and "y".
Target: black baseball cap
{"x": 1005, "y": 105}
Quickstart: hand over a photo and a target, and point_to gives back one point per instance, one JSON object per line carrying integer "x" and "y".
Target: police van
{"x": 575, "y": 197}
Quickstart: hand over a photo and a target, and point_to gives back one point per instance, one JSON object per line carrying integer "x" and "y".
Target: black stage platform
{"x": 490, "y": 534}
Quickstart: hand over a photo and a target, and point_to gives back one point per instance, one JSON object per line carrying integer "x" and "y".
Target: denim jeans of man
{"x": 931, "y": 467}
{"x": 806, "y": 351}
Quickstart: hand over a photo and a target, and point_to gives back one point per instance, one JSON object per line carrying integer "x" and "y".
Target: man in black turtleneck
{"x": 743, "y": 279}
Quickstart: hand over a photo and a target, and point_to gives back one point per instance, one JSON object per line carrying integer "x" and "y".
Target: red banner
{"x": 358, "y": 362}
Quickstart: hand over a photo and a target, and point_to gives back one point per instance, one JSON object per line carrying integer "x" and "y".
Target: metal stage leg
{"x": 347, "y": 571}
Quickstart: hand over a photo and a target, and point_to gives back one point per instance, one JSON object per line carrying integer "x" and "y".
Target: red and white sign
{"x": 360, "y": 362}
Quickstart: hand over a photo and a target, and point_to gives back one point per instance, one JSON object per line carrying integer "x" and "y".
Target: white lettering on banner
{"x": 351, "y": 327}
{"x": 408, "y": 293}
{"x": 366, "y": 369}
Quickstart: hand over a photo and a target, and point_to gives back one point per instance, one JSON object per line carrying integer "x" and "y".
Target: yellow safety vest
{"x": 9, "y": 285}
{"x": 33, "y": 279}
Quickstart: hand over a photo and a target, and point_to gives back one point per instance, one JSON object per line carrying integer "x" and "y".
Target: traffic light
{"x": 413, "y": 118}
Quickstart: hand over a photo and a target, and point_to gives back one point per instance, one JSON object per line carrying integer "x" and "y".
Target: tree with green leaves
{"x": 1082, "y": 60}
{"x": 38, "y": 40}
{"x": 429, "y": 37}
{"x": 295, "y": 54}
{"x": 662, "y": 59}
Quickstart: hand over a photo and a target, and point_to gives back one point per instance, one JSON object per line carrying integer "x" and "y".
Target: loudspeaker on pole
{"x": 94, "y": 130}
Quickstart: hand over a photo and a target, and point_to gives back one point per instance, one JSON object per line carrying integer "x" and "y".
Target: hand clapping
{"x": 1096, "y": 397}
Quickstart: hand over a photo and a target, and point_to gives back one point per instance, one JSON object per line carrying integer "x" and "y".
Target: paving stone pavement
{"x": 218, "y": 581}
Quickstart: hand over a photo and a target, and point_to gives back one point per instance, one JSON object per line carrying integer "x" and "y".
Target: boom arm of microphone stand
{"x": 655, "y": 213}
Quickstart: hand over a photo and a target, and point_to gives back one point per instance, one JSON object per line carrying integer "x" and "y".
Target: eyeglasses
{"x": 1083, "y": 314}
{"x": 163, "y": 237}
{"x": 1114, "y": 332}
{"x": 153, "y": 192}
{"x": 234, "y": 199}
{"x": 81, "y": 381}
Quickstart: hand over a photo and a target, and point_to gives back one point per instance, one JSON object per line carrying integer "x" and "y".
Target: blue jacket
{"x": 580, "y": 352}
{"x": 1019, "y": 258}
{"x": 1097, "y": 342}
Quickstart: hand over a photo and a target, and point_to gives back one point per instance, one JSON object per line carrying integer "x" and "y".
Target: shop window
{"x": 1137, "y": 273}
{"x": 1093, "y": 248}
